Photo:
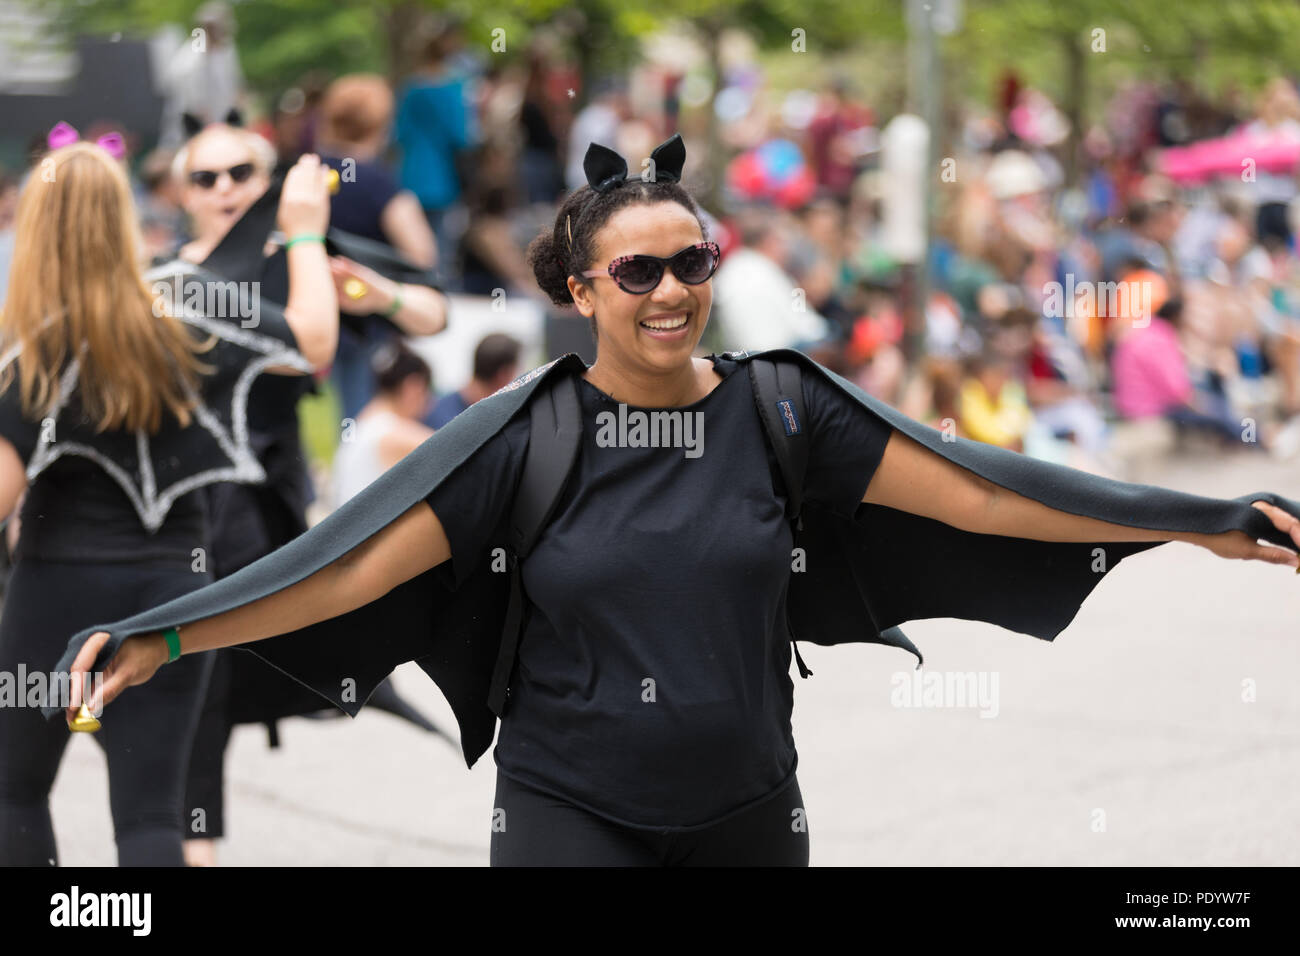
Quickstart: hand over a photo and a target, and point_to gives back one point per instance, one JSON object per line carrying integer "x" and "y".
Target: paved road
{"x": 1126, "y": 741}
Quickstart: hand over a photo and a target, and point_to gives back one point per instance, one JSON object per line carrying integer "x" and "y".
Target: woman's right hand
{"x": 135, "y": 662}
{"x": 305, "y": 198}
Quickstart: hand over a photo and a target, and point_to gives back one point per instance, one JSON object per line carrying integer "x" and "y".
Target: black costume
{"x": 864, "y": 575}
{"x": 109, "y": 526}
{"x": 657, "y": 635}
{"x": 250, "y": 521}
{"x": 653, "y": 686}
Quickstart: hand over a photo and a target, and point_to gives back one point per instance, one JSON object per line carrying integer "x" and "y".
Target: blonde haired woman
{"x": 83, "y": 335}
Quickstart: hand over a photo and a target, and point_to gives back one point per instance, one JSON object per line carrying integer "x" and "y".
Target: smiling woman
{"x": 221, "y": 171}
{"x": 633, "y": 255}
{"x": 646, "y": 709}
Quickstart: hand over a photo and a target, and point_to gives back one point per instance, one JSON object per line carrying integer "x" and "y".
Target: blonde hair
{"x": 262, "y": 150}
{"x": 76, "y": 292}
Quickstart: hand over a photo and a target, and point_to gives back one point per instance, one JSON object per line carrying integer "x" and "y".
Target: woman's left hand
{"x": 1238, "y": 544}
{"x": 137, "y": 660}
{"x": 378, "y": 294}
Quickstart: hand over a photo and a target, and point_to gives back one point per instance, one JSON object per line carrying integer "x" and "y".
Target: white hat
{"x": 1013, "y": 173}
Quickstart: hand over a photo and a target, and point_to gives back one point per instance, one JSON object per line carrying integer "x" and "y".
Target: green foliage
{"x": 1217, "y": 43}
{"x": 1211, "y": 42}
{"x": 318, "y": 423}
{"x": 280, "y": 41}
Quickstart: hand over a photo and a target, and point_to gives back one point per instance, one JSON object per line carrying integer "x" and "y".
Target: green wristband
{"x": 173, "y": 644}
{"x": 397, "y": 303}
{"x": 306, "y": 238}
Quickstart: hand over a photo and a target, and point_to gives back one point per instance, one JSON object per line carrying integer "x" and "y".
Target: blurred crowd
{"x": 1074, "y": 291}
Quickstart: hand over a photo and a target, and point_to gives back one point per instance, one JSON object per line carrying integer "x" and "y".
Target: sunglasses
{"x": 207, "y": 178}
{"x": 640, "y": 274}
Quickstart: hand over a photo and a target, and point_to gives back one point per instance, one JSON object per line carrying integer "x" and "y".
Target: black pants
{"x": 248, "y": 523}
{"x": 531, "y": 828}
{"x": 146, "y": 734}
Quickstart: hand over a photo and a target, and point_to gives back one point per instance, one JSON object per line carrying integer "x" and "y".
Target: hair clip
{"x": 64, "y": 134}
{"x": 568, "y": 227}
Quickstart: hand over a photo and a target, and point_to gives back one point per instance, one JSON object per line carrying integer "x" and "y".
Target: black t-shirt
{"x": 358, "y": 206}
{"x": 653, "y": 682}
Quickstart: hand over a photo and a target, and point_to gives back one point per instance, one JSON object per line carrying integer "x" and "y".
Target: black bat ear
{"x": 191, "y": 123}
{"x": 669, "y": 157}
{"x": 605, "y": 168}
{"x": 234, "y": 117}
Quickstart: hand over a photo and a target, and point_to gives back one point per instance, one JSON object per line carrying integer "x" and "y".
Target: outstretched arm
{"x": 410, "y": 545}
{"x": 914, "y": 479}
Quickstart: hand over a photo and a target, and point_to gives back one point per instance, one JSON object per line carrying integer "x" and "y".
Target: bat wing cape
{"x": 155, "y": 470}
{"x": 864, "y": 577}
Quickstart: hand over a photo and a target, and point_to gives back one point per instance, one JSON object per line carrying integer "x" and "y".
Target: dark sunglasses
{"x": 207, "y": 178}
{"x": 640, "y": 274}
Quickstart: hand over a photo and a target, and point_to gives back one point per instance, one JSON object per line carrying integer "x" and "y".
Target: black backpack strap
{"x": 778, "y": 393}
{"x": 554, "y": 436}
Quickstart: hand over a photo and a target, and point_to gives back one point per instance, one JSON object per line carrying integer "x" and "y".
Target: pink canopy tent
{"x": 1227, "y": 156}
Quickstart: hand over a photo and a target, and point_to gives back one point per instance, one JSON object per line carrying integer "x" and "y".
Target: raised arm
{"x": 312, "y": 309}
{"x": 914, "y": 479}
{"x": 408, "y": 546}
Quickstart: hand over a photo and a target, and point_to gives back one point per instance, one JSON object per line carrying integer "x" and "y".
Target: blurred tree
{"x": 1050, "y": 45}
{"x": 1081, "y": 52}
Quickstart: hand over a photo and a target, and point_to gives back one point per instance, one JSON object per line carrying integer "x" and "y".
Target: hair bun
{"x": 549, "y": 269}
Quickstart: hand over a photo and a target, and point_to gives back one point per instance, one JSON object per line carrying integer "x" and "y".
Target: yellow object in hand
{"x": 332, "y": 176}
{"x": 84, "y": 722}
{"x": 354, "y": 288}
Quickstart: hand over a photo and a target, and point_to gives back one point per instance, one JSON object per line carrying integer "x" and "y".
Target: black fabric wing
{"x": 154, "y": 470}
{"x": 902, "y": 567}
{"x": 452, "y": 634}
{"x": 864, "y": 575}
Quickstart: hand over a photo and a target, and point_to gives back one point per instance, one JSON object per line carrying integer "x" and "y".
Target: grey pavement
{"x": 1126, "y": 741}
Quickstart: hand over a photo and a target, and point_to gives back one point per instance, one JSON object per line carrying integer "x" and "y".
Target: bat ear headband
{"x": 607, "y": 170}
{"x": 193, "y": 125}
{"x": 64, "y": 134}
